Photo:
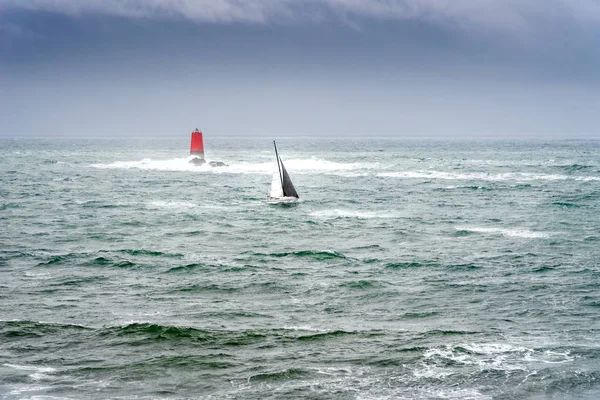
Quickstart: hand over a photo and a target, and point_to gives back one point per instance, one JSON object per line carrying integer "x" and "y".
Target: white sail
{"x": 276, "y": 188}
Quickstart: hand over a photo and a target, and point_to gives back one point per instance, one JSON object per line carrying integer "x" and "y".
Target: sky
{"x": 406, "y": 68}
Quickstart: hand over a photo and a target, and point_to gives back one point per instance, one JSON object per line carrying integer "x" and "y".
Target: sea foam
{"x": 521, "y": 233}
{"x": 484, "y": 176}
{"x": 295, "y": 166}
{"x": 341, "y": 213}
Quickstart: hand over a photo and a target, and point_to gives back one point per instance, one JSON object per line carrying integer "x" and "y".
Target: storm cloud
{"x": 503, "y": 15}
{"x": 340, "y": 67}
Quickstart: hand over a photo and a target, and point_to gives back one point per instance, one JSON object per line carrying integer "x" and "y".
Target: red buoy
{"x": 197, "y": 144}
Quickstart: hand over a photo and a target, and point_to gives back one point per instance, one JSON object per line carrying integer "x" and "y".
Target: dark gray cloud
{"x": 396, "y": 67}
{"x": 507, "y": 15}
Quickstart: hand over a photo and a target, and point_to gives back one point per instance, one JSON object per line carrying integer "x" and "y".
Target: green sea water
{"x": 431, "y": 269}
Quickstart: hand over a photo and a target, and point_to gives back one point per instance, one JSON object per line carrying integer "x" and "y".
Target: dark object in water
{"x": 197, "y": 161}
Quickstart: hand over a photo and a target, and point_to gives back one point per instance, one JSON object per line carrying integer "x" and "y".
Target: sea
{"x": 409, "y": 269}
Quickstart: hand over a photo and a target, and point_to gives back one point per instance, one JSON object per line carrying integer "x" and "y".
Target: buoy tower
{"x": 197, "y": 148}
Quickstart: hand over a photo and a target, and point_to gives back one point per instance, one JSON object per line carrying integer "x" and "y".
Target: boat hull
{"x": 282, "y": 200}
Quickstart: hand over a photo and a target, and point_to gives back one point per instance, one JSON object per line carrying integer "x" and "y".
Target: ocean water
{"x": 410, "y": 269}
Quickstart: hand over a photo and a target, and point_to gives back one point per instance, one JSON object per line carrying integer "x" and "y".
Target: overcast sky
{"x": 468, "y": 68}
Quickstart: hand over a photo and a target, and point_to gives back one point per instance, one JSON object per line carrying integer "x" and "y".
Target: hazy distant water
{"x": 411, "y": 269}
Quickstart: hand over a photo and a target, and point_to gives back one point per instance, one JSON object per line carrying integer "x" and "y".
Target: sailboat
{"x": 282, "y": 190}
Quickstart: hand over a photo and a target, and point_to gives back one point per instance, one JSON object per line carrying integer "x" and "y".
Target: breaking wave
{"x": 176, "y": 164}
{"x": 339, "y": 213}
{"x": 296, "y": 165}
{"x": 521, "y": 233}
{"x": 311, "y": 254}
{"x": 177, "y": 205}
{"x": 501, "y": 177}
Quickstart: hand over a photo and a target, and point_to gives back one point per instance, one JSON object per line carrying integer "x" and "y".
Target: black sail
{"x": 286, "y": 183}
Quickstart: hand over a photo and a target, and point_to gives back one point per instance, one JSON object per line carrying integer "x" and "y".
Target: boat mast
{"x": 279, "y": 167}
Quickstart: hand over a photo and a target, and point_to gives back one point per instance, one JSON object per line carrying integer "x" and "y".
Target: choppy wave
{"x": 426, "y": 264}
{"x": 150, "y": 253}
{"x": 207, "y": 288}
{"x": 7, "y": 206}
{"x": 183, "y": 205}
{"x": 490, "y": 356}
{"x": 18, "y": 328}
{"x": 351, "y": 169}
{"x": 361, "y": 285}
{"x": 575, "y": 167}
{"x": 297, "y": 166}
{"x": 517, "y": 163}
{"x": 476, "y": 279}
{"x": 313, "y": 254}
{"x": 485, "y": 176}
{"x": 403, "y": 265}
{"x": 345, "y": 213}
{"x": 325, "y": 335}
{"x": 34, "y": 372}
{"x": 409, "y": 371}
{"x": 521, "y": 233}
{"x": 175, "y": 164}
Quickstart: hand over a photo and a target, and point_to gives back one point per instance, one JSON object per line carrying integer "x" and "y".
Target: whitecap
{"x": 306, "y": 165}
{"x": 37, "y": 373}
{"x": 550, "y": 357}
{"x": 485, "y": 176}
{"x": 31, "y": 368}
{"x": 176, "y": 164}
{"x": 340, "y": 213}
{"x": 171, "y": 204}
{"x": 521, "y": 233}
